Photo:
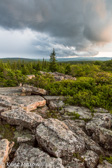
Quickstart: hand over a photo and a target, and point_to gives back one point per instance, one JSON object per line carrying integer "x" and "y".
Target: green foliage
{"x": 93, "y": 87}
{"x": 53, "y": 65}
{"x": 78, "y": 156}
{"x": 79, "y": 70}
{"x": 109, "y": 159}
{"x": 7, "y": 131}
{"x": 102, "y": 158}
{"x": 74, "y": 115}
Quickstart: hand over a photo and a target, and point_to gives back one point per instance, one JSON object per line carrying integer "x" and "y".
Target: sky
{"x": 32, "y": 28}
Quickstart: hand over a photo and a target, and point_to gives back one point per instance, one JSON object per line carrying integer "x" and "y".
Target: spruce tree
{"x": 53, "y": 65}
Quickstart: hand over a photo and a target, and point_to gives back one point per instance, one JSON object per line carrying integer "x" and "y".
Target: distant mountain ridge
{"x": 61, "y": 59}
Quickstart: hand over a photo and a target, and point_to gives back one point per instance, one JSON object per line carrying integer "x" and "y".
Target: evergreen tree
{"x": 53, "y": 65}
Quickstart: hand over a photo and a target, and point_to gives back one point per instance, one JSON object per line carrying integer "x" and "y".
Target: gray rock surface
{"x": 100, "y": 110}
{"x": 5, "y": 101}
{"x": 98, "y": 129}
{"x": 2, "y": 109}
{"x": 84, "y": 113}
{"x": 56, "y": 105}
{"x": 28, "y": 90}
{"x": 28, "y": 156}
{"x": 59, "y": 76}
{"x": 30, "y": 103}
{"x": 105, "y": 164}
{"x": 55, "y": 137}
{"x": 10, "y": 91}
{"x": 91, "y": 159}
{"x": 103, "y": 119}
{"x": 5, "y": 149}
{"x": 19, "y": 117}
{"x": 75, "y": 163}
{"x": 79, "y": 128}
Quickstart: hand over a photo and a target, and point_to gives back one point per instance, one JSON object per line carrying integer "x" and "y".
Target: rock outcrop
{"x": 56, "y": 138}
{"x": 59, "y": 76}
{"x": 28, "y": 156}
{"x": 74, "y": 137}
{"x": 24, "y": 119}
{"x": 79, "y": 128}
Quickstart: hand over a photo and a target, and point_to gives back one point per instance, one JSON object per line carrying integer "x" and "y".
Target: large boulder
{"x": 5, "y": 149}
{"x": 19, "y": 117}
{"x": 28, "y": 156}
{"x": 78, "y": 127}
{"x": 99, "y": 130}
{"x": 56, "y": 138}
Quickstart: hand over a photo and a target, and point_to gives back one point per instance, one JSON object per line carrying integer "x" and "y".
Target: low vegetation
{"x": 93, "y": 87}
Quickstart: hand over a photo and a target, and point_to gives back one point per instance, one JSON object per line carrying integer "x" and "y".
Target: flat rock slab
{"x": 24, "y": 119}
{"x": 6, "y": 101}
{"x": 28, "y": 156}
{"x": 29, "y": 90}
{"x": 10, "y": 91}
{"x": 55, "y": 137}
{"x": 30, "y": 103}
{"x": 84, "y": 113}
{"x": 5, "y": 149}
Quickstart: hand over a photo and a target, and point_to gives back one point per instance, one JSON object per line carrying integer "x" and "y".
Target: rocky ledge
{"x": 41, "y": 131}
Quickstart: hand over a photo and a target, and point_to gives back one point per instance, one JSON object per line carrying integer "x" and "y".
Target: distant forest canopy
{"x": 93, "y": 87}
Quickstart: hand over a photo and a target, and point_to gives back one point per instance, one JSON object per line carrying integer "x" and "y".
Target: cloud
{"x": 72, "y": 27}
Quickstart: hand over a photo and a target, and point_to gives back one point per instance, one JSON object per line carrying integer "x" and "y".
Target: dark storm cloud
{"x": 78, "y": 23}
